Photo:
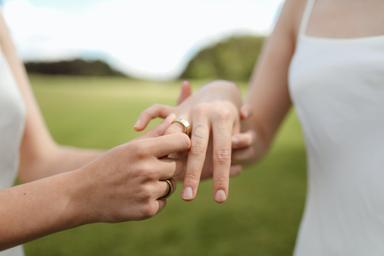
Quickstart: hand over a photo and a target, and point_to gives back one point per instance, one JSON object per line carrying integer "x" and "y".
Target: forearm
{"x": 58, "y": 160}
{"x": 38, "y": 208}
{"x": 268, "y": 98}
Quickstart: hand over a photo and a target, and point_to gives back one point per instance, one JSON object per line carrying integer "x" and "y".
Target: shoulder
{"x": 291, "y": 15}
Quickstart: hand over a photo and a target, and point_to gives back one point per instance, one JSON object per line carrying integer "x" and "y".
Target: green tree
{"x": 231, "y": 59}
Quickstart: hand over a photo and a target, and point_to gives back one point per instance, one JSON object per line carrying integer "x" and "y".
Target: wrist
{"x": 75, "y": 193}
{"x": 224, "y": 90}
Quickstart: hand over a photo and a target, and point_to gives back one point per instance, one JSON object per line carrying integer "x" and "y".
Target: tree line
{"x": 233, "y": 59}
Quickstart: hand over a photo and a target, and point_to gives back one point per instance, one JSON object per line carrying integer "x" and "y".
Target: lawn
{"x": 261, "y": 217}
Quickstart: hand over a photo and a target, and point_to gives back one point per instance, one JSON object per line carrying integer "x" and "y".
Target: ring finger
{"x": 196, "y": 156}
{"x": 165, "y": 188}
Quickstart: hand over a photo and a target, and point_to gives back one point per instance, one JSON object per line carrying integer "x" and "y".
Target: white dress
{"x": 11, "y": 131}
{"x": 337, "y": 86}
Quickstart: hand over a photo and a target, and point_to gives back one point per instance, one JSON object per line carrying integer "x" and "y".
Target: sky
{"x": 152, "y": 39}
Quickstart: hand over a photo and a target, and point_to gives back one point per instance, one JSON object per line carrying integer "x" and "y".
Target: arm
{"x": 126, "y": 183}
{"x": 268, "y": 98}
{"x": 40, "y": 155}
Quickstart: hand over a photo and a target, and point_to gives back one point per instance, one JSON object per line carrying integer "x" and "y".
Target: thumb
{"x": 245, "y": 112}
{"x": 185, "y": 92}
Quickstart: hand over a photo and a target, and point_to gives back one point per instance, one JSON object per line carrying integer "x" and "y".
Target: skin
{"x": 67, "y": 187}
{"x": 126, "y": 183}
{"x": 268, "y": 100}
{"x": 207, "y": 113}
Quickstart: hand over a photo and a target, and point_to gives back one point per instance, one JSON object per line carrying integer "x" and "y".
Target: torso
{"x": 337, "y": 86}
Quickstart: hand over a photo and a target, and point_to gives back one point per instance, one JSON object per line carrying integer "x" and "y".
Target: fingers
{"x": 167, "y": 144}
{"x": 161, "y": 189}
{"x": 150, "y": 113}
{"x": 196, "y": 156}
{"x": 222, "y": 143}
{"x": 242, "y": 156}
{"x": 243, "y": 140}
{"x": 236, "y": 126}
{"x": 175, "y": 128}
{"x": 161, "y": 203}
{"x": 236, "y": 170}
{"x": 169, "y": 168}
{"x": 185, "y": 92}
{"x": 245, "y": 112}
{"x": 161, "y": 129}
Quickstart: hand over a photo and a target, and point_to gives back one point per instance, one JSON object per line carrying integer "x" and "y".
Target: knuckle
{"x": 197, "y": 148}
{"x": 146, "y": 170}
{"x": 200, "y": 131}
{"x": 149, "y": 209}
{"x": 200, "y": 109}
{"x": 222, "y": 156}
{"x": 146, "y": 192}
{"x": 146, "y": 114}
{"x": 191, "y": 178}
{"x": 224, "y": 114}
{"x": 140, "y": 150}
{"x": 221, "y": 182}
{"x": 158, "y": 108}
{"x": 149, "y": 173}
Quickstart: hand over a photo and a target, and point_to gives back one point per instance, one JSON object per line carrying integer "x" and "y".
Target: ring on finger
{"x": 170, "y": 188}
{"x": 187, "y": 127}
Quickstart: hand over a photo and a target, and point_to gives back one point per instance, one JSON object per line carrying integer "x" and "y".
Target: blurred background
{"x": 95, "y": 64}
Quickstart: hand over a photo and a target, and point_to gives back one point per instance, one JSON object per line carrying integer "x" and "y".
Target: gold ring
{"x": 171, "y": 188}
{"x": 187, "y": 128}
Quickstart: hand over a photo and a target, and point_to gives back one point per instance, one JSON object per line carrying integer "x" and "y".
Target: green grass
{"x": 261, "y": 217}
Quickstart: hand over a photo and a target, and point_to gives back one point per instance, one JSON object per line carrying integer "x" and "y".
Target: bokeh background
{"x": 95, "y": 64}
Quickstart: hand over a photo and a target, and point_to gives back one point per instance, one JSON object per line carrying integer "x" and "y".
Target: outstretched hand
{"x": 216, "y": 137}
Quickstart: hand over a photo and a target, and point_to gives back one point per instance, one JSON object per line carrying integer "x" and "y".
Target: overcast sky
{"x": 147, "y": 38}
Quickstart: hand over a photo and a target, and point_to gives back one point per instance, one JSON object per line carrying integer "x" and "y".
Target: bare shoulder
{"x": 291, "y": 15}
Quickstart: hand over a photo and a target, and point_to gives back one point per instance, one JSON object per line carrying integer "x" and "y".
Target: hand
{"x": 214, "y": 118}
{"x": 246, "y": 146}
{"x": 127, "y": 183}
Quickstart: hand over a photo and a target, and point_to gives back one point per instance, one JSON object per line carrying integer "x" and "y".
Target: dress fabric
{"x": 337, "y": 87}
{"x": 11, "y": 131}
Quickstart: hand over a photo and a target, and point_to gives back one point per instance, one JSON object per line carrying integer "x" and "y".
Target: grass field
{"x": 261, "y": 217}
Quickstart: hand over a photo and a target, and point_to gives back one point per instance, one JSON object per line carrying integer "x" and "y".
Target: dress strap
{"x": 306, "y": 16}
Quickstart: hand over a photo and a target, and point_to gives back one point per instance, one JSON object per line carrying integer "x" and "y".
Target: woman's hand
{"x": 247, "y": 146}
{"x": 214, "y": 114}
{"x": 128, "y": 182}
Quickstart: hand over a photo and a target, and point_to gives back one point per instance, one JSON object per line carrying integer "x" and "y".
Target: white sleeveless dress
{"x": 11, "y": 131}
{"x": 337, "y": 86}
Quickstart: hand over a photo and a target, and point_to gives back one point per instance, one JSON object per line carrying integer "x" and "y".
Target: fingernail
{"x": 220, "y": 196}
{"x": 188, "y": 193}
